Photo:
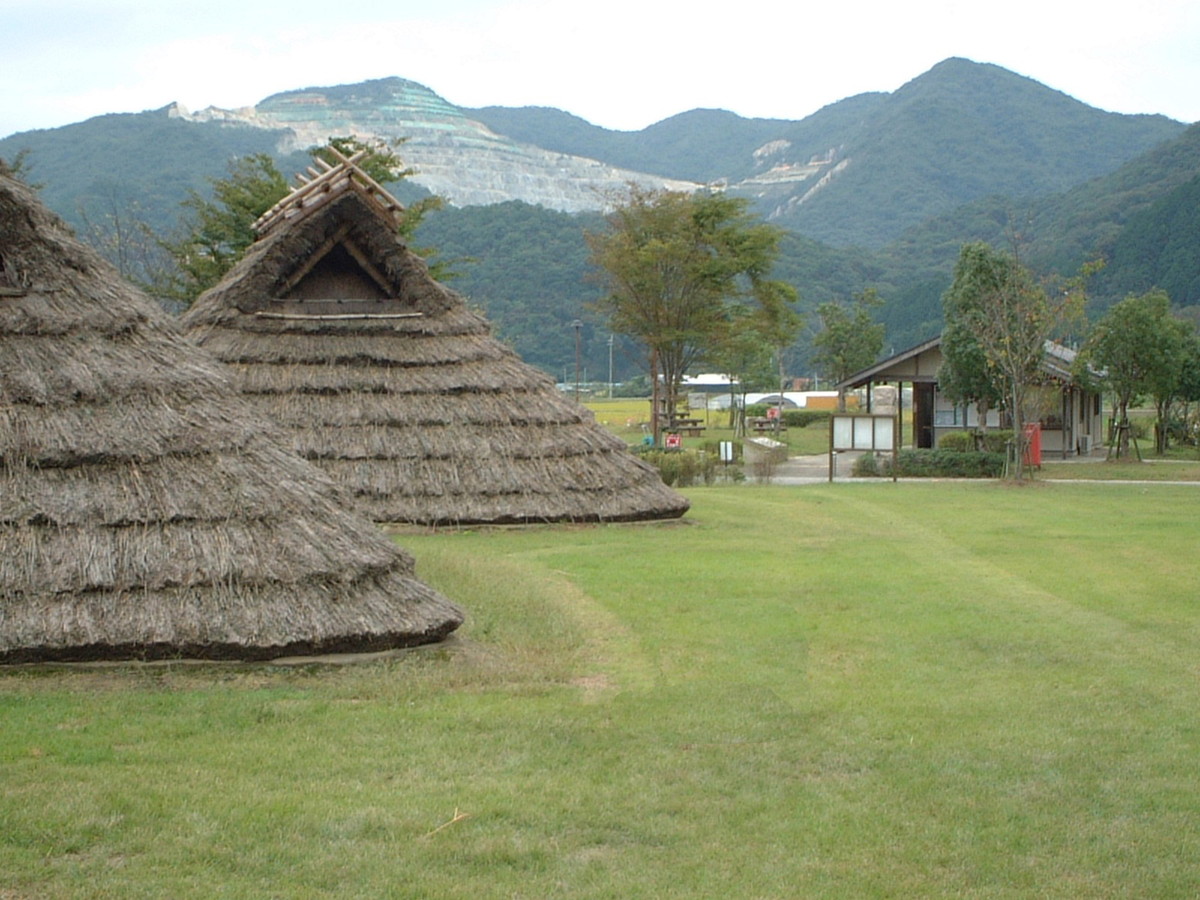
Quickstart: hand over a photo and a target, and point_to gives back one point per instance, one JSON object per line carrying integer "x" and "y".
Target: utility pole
{"x": 578, "y": 326}
{"x": 610, "y": 381}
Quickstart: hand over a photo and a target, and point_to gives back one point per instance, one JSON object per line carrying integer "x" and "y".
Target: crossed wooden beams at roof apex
{"x": 317, "y": 187}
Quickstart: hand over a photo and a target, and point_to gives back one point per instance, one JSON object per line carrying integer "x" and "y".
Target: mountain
{"x": 453, "y": 155}
{"x": 858, "y": 172}
{"x": 960, "y": 132}
{"x": 142, "y": 164}
{"x": 864, "y": 169}
{"x": 876, "y": 190}
{"x": 1139, "y": 218}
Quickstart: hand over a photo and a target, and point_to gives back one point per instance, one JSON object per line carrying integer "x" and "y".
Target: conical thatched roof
{"x": 144, "y": 513}
{"x": 385, "y": 378}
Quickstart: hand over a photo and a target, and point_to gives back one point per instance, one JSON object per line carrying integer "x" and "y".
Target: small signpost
{"x": 673, "y": 442}
{"x": 869, "y": 433}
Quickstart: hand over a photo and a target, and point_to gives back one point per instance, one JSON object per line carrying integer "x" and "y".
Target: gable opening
{"x": 337, "y": 275}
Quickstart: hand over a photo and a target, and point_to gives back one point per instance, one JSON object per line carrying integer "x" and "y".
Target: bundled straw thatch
{"x": 383, "y": 377}
{"x": 144, "y": 511}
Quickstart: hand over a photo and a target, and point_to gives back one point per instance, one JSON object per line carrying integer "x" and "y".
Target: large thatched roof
{"x": 144, "y": 511}
{"x": 386, "y": 379}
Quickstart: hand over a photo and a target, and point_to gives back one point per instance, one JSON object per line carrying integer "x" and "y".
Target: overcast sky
{"x": 622, "y": 64}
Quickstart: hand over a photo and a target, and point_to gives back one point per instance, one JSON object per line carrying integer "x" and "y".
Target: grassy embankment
{"x": 836, "y": 690}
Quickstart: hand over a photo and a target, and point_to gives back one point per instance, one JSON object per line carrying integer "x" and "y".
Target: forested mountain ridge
{"x": 862, "y": 170}
{"x": 1142, "y": 218}
{"x": 857, "y": 172}
{"x": 1137, "y": 218}
{"x": 880, "y": 177}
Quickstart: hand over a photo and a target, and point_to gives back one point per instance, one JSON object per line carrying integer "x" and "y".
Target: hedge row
{"x": 792, "y": 418}
{"x": 932, "y": 464}
{"x": 991, "y": 441}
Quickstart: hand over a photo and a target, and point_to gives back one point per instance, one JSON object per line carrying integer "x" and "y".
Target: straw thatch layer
{"x": 248, "y": 622}
{"x": 144, "y": 510}
{"x": 405, "y": 398}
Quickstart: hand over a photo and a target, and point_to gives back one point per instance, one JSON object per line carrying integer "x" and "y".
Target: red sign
{"x": 674, "y": 442}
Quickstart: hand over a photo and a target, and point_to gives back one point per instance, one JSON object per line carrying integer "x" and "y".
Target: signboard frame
{"x": 864, "y": 432}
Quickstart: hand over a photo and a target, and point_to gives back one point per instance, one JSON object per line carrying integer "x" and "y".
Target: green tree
{"x": 1011, "y": 318}
{"x": 672, "y": 262}
{"x": 965, "y": 375}
{"x": 17, "y": 166}
{"x": 218, "y": 232}
{"x": 1137, "y": 348}
{"x": 741, "y": 352}
{"x": 1188, "y": 390}
{"x": 849, "y": 339}
{"x": 113, "y": 223}
{"x": 778, "y": 323}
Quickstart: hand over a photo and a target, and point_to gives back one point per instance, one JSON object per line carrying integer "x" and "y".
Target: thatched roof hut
{"x": 385, "y": 378}
{"x": 144, "y": 511}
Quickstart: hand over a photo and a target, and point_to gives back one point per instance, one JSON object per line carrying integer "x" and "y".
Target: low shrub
{"x": 866, "y": 466}
{"x": 958, "y": 441}
{"x": 792, "y": 418}
{"x": 802, "y": 418}
{"x": 713, "y": 448}
{"x": 938, "y": 463}
{"x": 684, "y": 468}
{"x": 991, "y": 441}
{"x": 994, "y": 440}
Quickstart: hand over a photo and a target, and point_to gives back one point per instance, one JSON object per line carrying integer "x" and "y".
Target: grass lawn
{"x": 849, "y": 690}
{"x": 1149, "y": 469}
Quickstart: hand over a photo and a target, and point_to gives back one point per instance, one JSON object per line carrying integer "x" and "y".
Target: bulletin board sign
{"x": 863, "y": 433}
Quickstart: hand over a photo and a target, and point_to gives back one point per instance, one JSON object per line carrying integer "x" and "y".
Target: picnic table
{"x": 687, "y": 426}
{"x": 765, "y": 425}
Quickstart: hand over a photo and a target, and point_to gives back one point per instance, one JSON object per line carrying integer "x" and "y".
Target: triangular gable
{"x": 338, "y": 270}
{"x": 329, "y": 250}
{"x": 905, "y": 359}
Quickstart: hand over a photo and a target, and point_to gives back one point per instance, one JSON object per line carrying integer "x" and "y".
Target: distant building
{"x": 1071, "y": 424}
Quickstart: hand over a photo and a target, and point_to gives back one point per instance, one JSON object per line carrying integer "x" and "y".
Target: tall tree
{"x": 1011, "y": 318}
{"x": 114, "y": 225}
{"x": 849, "y": 339}
{"x": 672, "y": 262}
{"x": 1188, "y": 390}
{"x": 1138, "y": 348}
{"x": 742, "y": 352}
{"x": 218, "y": 231}
{"x": 965, "y": 375}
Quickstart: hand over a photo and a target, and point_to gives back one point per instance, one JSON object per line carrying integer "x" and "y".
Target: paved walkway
{"x": 814, "y": 469}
